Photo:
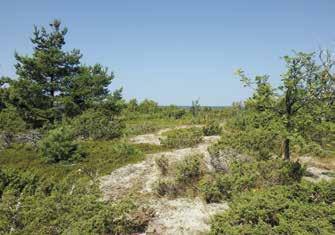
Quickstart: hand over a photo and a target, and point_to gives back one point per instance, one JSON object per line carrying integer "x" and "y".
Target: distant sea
{"x": 202, "y": 106}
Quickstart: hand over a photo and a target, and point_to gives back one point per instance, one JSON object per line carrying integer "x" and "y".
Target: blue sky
{"x": 178, "y": 50}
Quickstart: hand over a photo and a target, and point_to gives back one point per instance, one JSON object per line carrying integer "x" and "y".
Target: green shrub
{"x": 163, "y": 164}
{"x": 260, "y": 143}
{"x": 174, "y": 112}
{"x": 210, "y": 191}
{"x": 180, "y": 138}
{"x": 94, "y": 124}
{"x": 106, "y": 156}
{"x": 69, "y": 208}
{"x": 189, "y": 169}
{"x": 245, "y": 176}
{"x": 10, "y": 124}
{"x": 279, "y": 210}
{"x": 58, "y": 145}
{"x": 212, "y": 128}
{"x": 166, "y": 187}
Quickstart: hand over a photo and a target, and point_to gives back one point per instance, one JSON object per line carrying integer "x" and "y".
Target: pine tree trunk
{"x": 287, "y": 149}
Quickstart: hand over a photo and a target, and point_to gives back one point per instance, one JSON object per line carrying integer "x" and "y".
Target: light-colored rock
{"x": 143, "y": 175}
{"x": 318, "y": 174}
{"x": 183, "y": 216}
{"x": 172, "y": 216}
{"x": 154, "y": 138}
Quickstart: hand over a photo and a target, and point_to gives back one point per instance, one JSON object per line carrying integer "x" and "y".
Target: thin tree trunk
{"x": 287, "y": 149}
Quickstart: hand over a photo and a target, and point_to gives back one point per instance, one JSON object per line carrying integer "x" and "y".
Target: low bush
{"x": 58, "y": 145}
{"x": 163, "y": 164}
{"x": 174, "y": 112}
{"x": 295, "y": 209}
{"x": 10, "y": 124}
{"x": 189, "y": 169}
{"x": 210, "y": 191}
{"x": 246, "y": 176}
{"x": 181, "y": 138}
{"x": 166, "y": 187}
{"x": 106, "y": 156}
{"x": 260, "y": 143}
{"x": 94, "y": 124}
{"x": 212, "y": 128}
{"x": 33, "y": 205}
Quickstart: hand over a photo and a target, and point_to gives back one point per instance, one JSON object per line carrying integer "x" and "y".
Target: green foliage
{"x": 60, "y": 198}
{"x": 10, "y": 121}
{"x": 212, "y": 128}
{"x": 163, "y": 164}
{"x": 32, "y": 205}
{"x": 94, "y": 124}
{"x": 195, "y": 108}
{"x": 58, "y": 145}
{"x": 257, "y": 142}
{"x": 42, "y": 75}
{"x": 53, "y": 83}
{"x": 10, "y": 124}
{"x": 250, "y": 175}
{"x": 166, "y": 187}
{"x": 174, "y": 112}
{"x": 296, "y": 209}
{"x": 189, "y": 169}
{"x": 106, "y": 156}
{"x": 180, "y": 138}
{"x": 307, "y": 85}
{"x": 88, "y": 86}
{"x": 148, "y": 106}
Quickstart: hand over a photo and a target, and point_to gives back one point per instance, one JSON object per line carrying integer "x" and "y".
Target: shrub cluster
{"x": 185, "y": 173}
{"x": 94, "y": 124}
{"x": 244, "y": 176}
{"x": 58, "y": 145}
{"x": 180, "y": 138}
{"x": 163, "y": 164}
{"x": 260, "y": 143}
{"x": 212, "y": 128}
{"x": 33, "y": 205}
{"x": 297, "y": 209}
{"x": 189, "y": 169}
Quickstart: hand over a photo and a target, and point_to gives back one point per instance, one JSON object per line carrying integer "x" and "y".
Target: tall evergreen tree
{"x": 52, "y": 82}
{"x": 41, "y": 76}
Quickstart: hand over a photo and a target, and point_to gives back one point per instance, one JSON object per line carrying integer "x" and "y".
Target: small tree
{"x": 195, "y": 108}
{"x": 58, "y": 145}
{"x": 305, "y": 85}
{"x": 52, "y": 82}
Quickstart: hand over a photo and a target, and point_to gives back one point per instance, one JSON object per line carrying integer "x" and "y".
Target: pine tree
{"x": 52, "y": 82}
{"x": 41, "y": 76}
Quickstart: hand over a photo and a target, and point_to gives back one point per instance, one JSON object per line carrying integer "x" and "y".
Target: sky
{"x": 175, "y": 51}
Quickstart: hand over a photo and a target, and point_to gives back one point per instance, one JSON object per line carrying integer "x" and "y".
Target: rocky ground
{"x": 178, "y": 215}
{"x": 171, "y": 216}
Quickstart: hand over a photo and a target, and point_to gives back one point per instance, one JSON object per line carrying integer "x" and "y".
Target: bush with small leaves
{"x": 94, "y": 124}
{"x": 295, "y": 209}
{"x": 58, "y": 145}
{"x": 163, "y": 164}
{"x": 209, "y": 191}
{"x": 246, "y": 176}
{"x": 189, "y": 169}
{"x": 181, "y": 138}
{"x": 166, "y": 187}
{"x": 10, "y": 124}
{"x": 212, "y": 128}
